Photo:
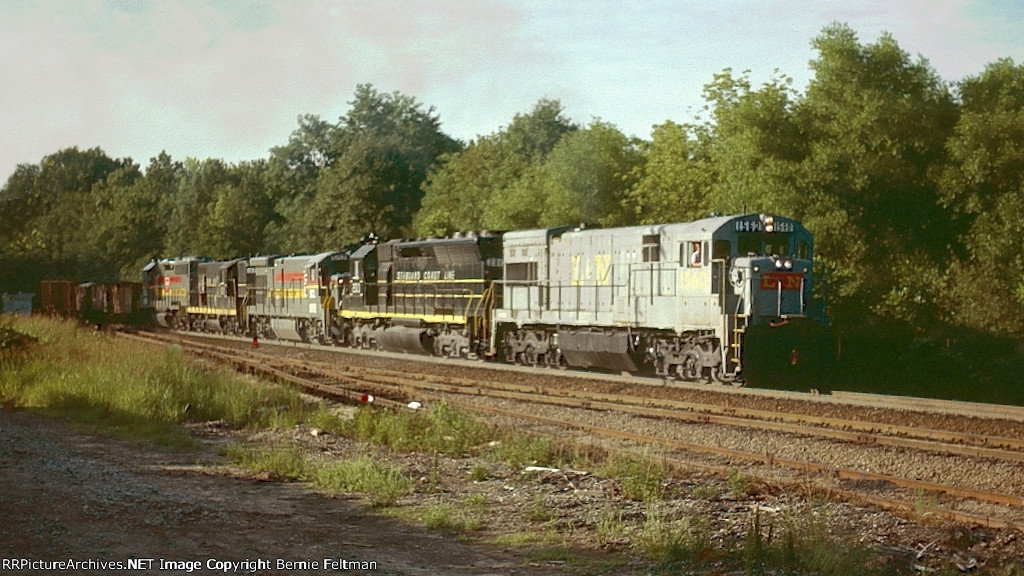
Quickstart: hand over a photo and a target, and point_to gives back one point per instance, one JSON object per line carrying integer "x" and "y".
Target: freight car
{"x": 58, "y": 297}
{"x": 101, "y": 304}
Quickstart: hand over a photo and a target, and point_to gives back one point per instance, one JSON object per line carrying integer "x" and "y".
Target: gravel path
{"x": 69, "y": 496}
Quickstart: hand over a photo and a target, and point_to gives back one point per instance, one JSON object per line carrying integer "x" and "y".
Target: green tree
{"x": 19, "y": 205}
{"x": 54, "y": 234}
{"x": 470, "y": 189}
{"x": 218, "y": 210}
{"x": 584, "y": 179}
{"x": 123, "y": 223}
{"x": 240, "y": 211}
{"x": 292, "y": 174}
{"x": 877, "y": 123}
{"x": 675, "y": 178}
{"x": 188, "y": 209}
{"x": 756, "y": 145}
{"x": 983, "y": 185}
{"x": 379, "y": 157}
{"x": 64, "y": 188}
{"x": 458, "y": 188}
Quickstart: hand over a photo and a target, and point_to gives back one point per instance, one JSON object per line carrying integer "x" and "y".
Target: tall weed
{"x": 134, "y": 389}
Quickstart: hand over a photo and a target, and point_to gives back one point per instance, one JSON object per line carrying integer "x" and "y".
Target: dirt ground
{"x": 68, "y": 496}
{"x": 106, "y": 506}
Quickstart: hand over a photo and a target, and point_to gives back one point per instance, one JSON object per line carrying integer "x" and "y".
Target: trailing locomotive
{"x": 290, "y": 297}
{"x": 727, "y": 298}
{"x": 428, "y": 296}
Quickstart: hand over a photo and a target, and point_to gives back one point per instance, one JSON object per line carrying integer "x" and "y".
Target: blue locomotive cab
{"x": 778, "y": 329}
{"x": 770, "y": 272}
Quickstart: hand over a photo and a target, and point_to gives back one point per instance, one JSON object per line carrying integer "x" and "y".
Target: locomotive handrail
{"x": 558, "y": 286}
{"x": 803, "y": 281}
{"x": 778, "y": 297}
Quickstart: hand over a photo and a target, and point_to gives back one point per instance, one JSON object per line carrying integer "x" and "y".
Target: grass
{"x": 802, "y": 544}
{"x": 441, "y": 430}
{"x": 609, "y": 526}
{"x": 445, "y": 430}
{"x": 383, "y": 485}
{"x": 741, "y": 484}
{"x": 466, "y": 514}
{"x": 12, "y": 339}
{"x": 142, "y": 392}
{"x": 675, "y": 541}
{"x": 281, "y": 462}
{"x": 640, "y": 478}
{"x": 133, "y": 390}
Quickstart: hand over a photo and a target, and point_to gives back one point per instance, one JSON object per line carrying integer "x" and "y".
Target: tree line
{"x": 911, "y": 184}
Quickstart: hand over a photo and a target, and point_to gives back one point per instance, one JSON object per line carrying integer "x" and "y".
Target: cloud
{"x": 201, "y": 77}
{"x": 228, "y": 79}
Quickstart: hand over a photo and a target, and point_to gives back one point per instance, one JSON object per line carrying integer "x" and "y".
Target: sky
{"x": 228, "y": 79}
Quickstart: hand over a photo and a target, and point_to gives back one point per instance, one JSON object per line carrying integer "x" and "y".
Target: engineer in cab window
{"x": 695, "y": 259}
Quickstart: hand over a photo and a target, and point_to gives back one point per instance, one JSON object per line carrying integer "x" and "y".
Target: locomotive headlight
{"x": 769, "y": 222}
{"x": 778, "y": 264}
{"x": 788, "y": 264}
{"x": 757, "y": 268}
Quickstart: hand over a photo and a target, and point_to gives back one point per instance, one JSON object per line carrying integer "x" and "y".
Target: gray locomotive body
{"x": 170, "y": 288}
{"x": 196, "y": 294}
{"x": 675, "y": 299}
{"x": 293, "y": 297}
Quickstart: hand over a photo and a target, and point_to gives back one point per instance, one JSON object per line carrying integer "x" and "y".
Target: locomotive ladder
{"x": 733, "y": 325}
{"x": 480, "y": 316}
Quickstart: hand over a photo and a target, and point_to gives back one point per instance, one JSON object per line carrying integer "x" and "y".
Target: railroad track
{"x": 1003, "y": 510}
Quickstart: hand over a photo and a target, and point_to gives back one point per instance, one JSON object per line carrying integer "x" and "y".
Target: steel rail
{"x": 939, "y": 441}
{"x": 961, "y": 443}
{"x": 800, "y": 466}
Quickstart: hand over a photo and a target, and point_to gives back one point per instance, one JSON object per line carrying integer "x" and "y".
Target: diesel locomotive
{"x": 727, "y": 298}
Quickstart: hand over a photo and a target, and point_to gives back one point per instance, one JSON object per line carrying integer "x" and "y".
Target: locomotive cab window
{"x": 777, "y": 244}
{"x": 763, "y": 244}
{"x": 692, "y": 254}
{"x": 749, "y": 244}
{"x": 521, "y": 272}
{"x": 723, "y": 251}
{"x": 803, "y": 251}
{"x": 652, "y": 247}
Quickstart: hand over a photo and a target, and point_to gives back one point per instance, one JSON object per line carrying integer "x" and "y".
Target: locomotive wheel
{"x": 554, "y": 359}
{"x": 689, "y": 370}
{"x": 529, "y": 357}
